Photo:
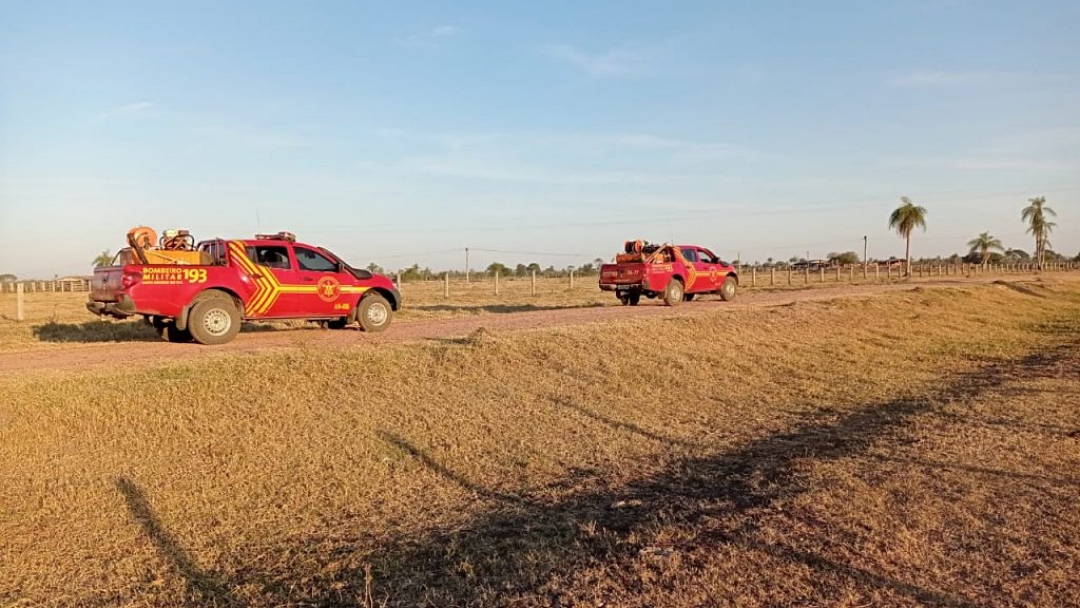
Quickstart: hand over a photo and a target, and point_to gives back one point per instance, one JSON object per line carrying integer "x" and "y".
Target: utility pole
{"x": 466, "y": 264}
{"x": 864, "y": 253}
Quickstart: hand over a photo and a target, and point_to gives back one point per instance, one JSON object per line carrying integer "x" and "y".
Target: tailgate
{"x": 622, "y": 274}
{"x": 106, "y": 286}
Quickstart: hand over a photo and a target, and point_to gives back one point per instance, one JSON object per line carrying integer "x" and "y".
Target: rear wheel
{"x": 374, "y": 313}
{"x": 624, "y": 298}
{"x": 728, "y": 288}
{"x": 673, "y": 295}
{"x": 214, "y": 319}
{"x": 635, "y": 297}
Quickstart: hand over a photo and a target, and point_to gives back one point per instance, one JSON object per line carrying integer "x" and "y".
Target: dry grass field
{"x": 905, "y": 449}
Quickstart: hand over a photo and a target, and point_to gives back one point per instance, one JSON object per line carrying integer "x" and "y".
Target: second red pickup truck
{"x": 204, "y": 292}
{"x": 675, "y": 273}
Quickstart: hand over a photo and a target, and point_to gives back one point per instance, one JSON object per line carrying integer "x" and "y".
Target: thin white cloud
{"x": 501, "y": 170}
{"x": 432, "y": 37}
{"x": 942, "y": 78}
{"x": 562, "y": 144}
{"x": 138, "y": 107}
{"x": 613, "y": 62}
{"x": 988, "y": 163}
{"x": 935, "y": 78}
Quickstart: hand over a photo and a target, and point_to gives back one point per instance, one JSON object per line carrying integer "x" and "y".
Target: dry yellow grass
{"x": 908, "y": 449}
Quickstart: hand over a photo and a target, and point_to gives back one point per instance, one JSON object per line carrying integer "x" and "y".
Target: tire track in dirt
{"x": 128, "y": 354}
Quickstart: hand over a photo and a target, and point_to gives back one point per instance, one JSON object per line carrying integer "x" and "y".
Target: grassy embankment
{"x": 905, "y": 449}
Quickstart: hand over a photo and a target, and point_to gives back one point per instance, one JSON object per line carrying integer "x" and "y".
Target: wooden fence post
{"x": 806, "y": 275}
{"x": 534, "y": 283}
{"x": 571, "y": 279}
{"x": 789, "y": 271}
{"x": 19, "y": 302}
{"x": 772, "y": 276}
{"x": 753, "y": 276}
{"x": 877, "y": 273}
{"x": 850, "y": 274}
{"x": 496, "y": 282}
{"x": 446, "y": 284}
{"x": 821, "y": 273}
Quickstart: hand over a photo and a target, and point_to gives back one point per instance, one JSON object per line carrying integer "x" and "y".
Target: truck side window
{"x": 690, "y": 255}
{"x": 311, "y": 260}
{"x": 271, "y": 256}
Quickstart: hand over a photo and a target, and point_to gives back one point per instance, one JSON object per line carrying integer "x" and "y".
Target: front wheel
{"x": 214, "y": 319}
{"x": 374, "y": 313}
{"x": 673, "y": 295}
{"x": 728, "y": 288}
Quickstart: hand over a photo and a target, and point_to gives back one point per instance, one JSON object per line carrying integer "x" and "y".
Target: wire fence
{"x": 751, "y": 276}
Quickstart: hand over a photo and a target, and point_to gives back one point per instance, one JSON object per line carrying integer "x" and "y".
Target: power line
{"x": 539, "y": 253}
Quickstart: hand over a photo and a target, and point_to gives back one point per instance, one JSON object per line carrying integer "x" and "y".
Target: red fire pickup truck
{"x": 676, "y": 273}
{"x": 220, "y": 283}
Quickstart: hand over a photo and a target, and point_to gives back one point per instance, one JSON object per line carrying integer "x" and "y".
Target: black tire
{"x": 374, "y": 313}
{"x": 673, "y": 294}
{"x": 729, "y": 288}
{"x": 635, "y": 298}
{"x": 624, "y": 298}
{"x": 341, "y": 323}
{"x": 214, "y": 319}
{"x": 687, "y": 297}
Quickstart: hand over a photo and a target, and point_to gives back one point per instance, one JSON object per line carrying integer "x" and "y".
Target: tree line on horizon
{"x": 905, "y": 220}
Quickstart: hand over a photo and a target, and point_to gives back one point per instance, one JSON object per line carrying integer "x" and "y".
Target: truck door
{"x": 697, "y": 279}
{"x": 323, "y": 276}
{"x": 710, "y": 264}
{"x": 272, "y": 274}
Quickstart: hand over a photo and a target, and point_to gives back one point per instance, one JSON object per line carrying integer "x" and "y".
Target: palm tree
{"x": 103, "y": 259}
{"x": 1039, "y": 226}
{"x": 905, "y": 219}
{"x": 983, "y": 244}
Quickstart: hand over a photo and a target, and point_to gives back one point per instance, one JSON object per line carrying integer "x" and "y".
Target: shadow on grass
{"x": 522, "y": 549}
{"x": 518, "y": 547}
{"x": 202, "y": 587}
{"x": 624, "y": 426}
{"x": 95, "y": 331}
{"x": 499, "y": 308}
{"x": 124, "y": 331}
{"x": 1020, "y": 288}
{"x": 945, "y": 466}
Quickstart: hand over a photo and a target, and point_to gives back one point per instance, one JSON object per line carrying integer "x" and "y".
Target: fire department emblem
{"x": 328, "y": 289}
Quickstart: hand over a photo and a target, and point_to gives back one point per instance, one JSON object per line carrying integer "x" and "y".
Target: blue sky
{"x": 405, "y": 132}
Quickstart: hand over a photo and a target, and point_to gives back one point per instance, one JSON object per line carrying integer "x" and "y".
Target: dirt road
{"x": 88, "y": 356}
